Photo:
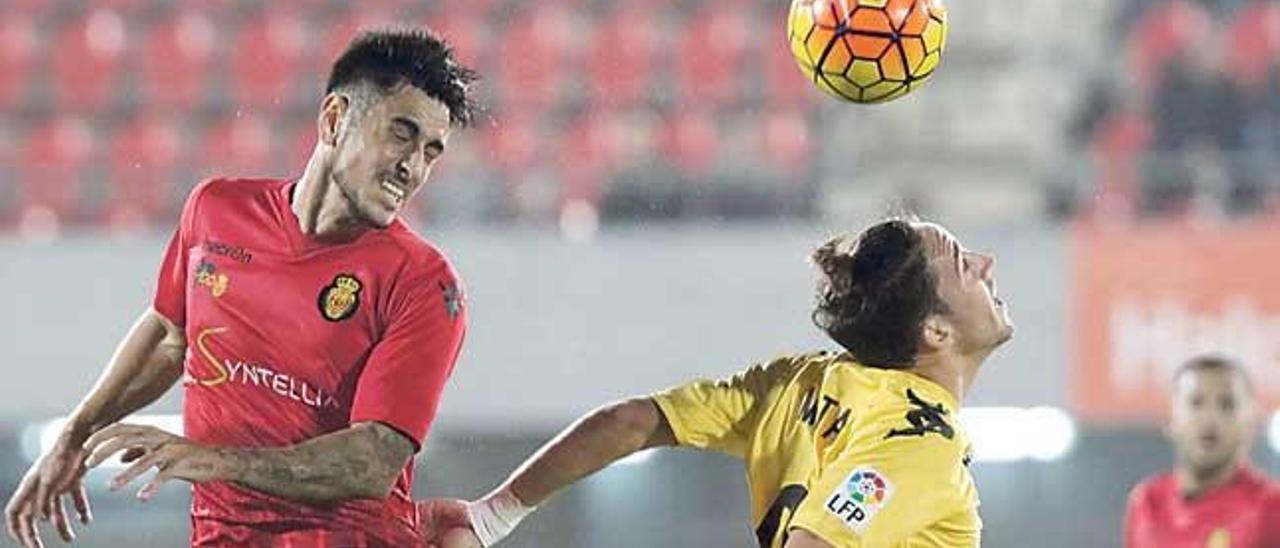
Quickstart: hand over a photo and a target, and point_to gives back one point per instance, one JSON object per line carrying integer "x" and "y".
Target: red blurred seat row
{"x": 182, "y": 55}
{"x": 113, "y": 108}
{"x": 138, "y": 170}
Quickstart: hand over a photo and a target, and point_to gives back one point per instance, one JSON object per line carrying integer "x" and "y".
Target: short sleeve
{"x": 407, "y": 369}
{"x": 880, "y": 490}
{"x": 719, "y": 414}
{"x": 1270, "y": 520}
{"x": 1132, "y": 514}
{"x": 170, "y": 298}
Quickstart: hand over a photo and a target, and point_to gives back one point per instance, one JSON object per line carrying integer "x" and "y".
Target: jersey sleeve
{"x": 1270, "y": 520}
{"x": 170, "y": 298}
{"x": 407, "y": 369}
{"x": 719, "y": 414}
{"x": 880, "y": 489}
{"x": 1132, "y": 514}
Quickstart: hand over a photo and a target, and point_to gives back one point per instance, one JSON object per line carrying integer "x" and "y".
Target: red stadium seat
{"x": 1170, "y": 29}
{"x": 176, "y": 59}
{"x": 57, "y": 160}
{"x": 295, "y": 149}
{"x": 623, "y": 55}
{"x": 1117, "y": 145}
{"x": 343, "y": 27}
{"x": 786, "y": 144}
{"x": 1252, "y": 41}
{"x": 30, "y": 7}
{"x": 513, "y": 142}
{"x": 589, "y": 151}
{"x": 691, "y": 142}
{"x": 784, "y": 83}
{"x": 19, "y": 47}
{"x": 533, "y": 59}
{"x": 711, "y": 55}
{"x": 87, "y": 59}
{"x": 239, "y": 145}
{"x": 466, "y": 30}
{"x": 10, "y": 159}
{"x": 267, "y": 57}
{"x": 147, "y": 155}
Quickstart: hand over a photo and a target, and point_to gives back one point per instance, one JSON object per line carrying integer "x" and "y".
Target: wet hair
{"x": 875, "y": 292}
{"x": 384, "y": 59}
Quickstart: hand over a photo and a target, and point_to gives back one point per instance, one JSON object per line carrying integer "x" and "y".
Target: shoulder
{"x": 421, "y": 257}
{"x": 1152, "y": 488}
{"x": 224, "y": 192}
{"x": 908, "y": 423}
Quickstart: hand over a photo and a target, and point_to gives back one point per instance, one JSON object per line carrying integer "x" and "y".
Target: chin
{"x": 1006, "y": 335}
{"x": 376, "y": 215}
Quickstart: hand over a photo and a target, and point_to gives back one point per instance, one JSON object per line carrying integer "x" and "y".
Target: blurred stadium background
{"x": 638, "y": 211}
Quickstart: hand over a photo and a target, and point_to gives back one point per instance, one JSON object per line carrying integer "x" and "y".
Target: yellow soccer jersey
{"x": 856, "y": 455}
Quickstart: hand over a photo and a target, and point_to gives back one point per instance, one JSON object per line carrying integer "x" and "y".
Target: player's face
{"x": 967, "y": 284}
{"x": 385, "y": 155}
{"x": 1212, "y": 419}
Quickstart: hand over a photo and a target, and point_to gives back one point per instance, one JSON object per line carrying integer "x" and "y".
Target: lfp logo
{"x": 860, "y": 497}
{"x": 866, "y": 487}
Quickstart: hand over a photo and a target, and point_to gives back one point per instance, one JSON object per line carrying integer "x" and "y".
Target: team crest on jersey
{"x": 860, "y": 497}
{"x": 340, "y": 299}
{"x": 207, "y": 275}
{"x": 1221, "y": 538}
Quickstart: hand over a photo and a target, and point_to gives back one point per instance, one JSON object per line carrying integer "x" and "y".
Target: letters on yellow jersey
{"x": 824, "y": 410}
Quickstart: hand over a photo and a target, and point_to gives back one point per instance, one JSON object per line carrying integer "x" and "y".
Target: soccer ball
{"x": 867, "y": 51}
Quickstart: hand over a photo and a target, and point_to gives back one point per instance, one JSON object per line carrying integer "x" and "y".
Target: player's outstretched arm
{"x": 591, "y": 443}
{"x": 358, "y": 462}
{"x": 146, "y": 364}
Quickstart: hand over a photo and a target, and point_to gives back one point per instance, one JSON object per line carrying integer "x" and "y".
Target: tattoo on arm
{"x": 362, "y": 461}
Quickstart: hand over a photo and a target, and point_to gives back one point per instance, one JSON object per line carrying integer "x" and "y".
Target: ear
{"x": 936, "y": 333}
{"x": 332, "y": 111}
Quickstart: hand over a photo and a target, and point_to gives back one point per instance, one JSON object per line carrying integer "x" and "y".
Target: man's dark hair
{"x": 387, "y": 58}
{"x": 875, "y": 293}
{"x": 1215, "y": 363}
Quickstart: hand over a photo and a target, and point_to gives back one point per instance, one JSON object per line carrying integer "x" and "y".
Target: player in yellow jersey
{"x": 849, "y": 449}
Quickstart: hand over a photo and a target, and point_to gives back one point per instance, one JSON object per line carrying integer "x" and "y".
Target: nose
{"x": 404, "y": 170}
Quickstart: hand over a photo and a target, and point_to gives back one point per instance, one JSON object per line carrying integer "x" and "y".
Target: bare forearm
{"x": 361, "y": 462}
{"x": 147, "y": 363}
{"x": 595, "y": 441}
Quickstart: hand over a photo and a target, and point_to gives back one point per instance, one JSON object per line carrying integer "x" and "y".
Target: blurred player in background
{"x": 313, "y": 331}
{"x": 860, "y": 448}
{"x": 1213, "y": 498}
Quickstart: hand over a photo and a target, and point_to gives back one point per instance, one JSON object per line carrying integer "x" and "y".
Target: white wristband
{"x": 495, "y": 515}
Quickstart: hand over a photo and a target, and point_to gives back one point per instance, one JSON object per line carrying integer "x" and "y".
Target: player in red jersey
{"x": 1213, "y": 498}
{"x": 312, "y": 330}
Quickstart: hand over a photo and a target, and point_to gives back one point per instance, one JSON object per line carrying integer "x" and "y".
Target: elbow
{"x": 375, "y": 490}
{"x": 637, "y": 417}
{"x": 376, "y": 486}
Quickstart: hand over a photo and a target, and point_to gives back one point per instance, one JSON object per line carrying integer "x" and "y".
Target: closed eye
{"x": 404, "y": 130}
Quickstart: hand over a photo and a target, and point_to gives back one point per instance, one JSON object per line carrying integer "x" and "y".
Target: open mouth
{"x": 394, "y": 190}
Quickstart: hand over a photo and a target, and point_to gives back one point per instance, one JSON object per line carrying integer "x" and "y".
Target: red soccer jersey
{"x": 1243, "y": 513}
{"x": 289, "y": 339}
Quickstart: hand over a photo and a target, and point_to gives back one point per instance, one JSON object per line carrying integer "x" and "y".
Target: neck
{"x": 323, "y": 211}
{"x": 953, "y": 372}
{"x": 1193, "y": 483}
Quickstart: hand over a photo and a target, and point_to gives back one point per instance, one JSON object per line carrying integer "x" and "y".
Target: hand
{"x": 56, "y": 476}
{"x": 173, "y": 456}
{"x": 445, "y": 524}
